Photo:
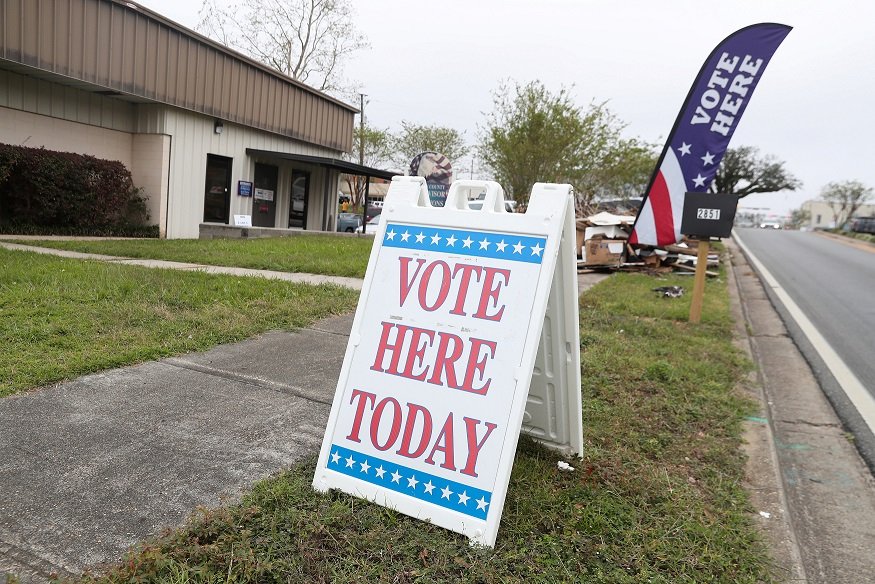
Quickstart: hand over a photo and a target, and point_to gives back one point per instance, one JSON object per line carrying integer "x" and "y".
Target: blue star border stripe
{"x": 486, "y": 244}
{"x": 413, "y": 483}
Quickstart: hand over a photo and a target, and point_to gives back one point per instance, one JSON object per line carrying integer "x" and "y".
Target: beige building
{"x": 207, "y": 133}
{"x": 824, "y": 215}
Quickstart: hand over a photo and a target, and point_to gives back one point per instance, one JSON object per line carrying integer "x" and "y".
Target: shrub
{"x": 42, "y": 189}
{"x": 140, "y": 231}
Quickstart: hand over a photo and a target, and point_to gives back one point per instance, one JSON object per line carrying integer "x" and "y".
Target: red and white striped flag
{"x": 703, "y": 129}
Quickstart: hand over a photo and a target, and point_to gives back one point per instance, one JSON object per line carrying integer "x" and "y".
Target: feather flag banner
{"x": 703, "y": 129}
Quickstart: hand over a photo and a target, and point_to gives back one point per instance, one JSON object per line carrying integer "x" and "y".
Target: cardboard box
{"x": 604, "y": 252}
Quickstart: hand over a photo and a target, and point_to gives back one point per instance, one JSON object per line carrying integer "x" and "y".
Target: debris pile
{"x": 670, "y": 291}
{"x": 603, "y": 244}
{"x": 602, "y": 240}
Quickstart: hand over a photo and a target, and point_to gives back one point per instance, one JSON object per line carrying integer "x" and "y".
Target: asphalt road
{"x": 833, "y": 283}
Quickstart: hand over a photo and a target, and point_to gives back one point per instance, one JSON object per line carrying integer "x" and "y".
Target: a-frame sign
{"x": 466, "y": 333}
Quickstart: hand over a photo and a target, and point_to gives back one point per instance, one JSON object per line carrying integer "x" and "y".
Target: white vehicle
{"x": 477, "y": 204}
{"x": 371, "y": 226}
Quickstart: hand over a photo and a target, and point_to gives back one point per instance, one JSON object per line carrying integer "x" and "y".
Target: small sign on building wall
{"x": 263, "y": 195}
{"x": 243, "y": 220}
{"x": 244, "y": 188}
{"x": 434, "y": 385}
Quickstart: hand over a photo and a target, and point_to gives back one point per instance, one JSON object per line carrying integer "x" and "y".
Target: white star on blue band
{"x": 486, "y": 244}
{"x": 413, "y": 483}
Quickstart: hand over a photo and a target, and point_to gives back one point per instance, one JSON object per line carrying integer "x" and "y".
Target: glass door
{"x": 217, "y": 189}
{"x": 264, "y": 196}
{"x": 300, "y": 192}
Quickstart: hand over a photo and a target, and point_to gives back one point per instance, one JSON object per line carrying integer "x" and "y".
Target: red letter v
{"x": 407, "y": 283}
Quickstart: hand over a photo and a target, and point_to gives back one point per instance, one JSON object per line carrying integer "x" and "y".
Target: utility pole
{"x": 367, "y": 179}
{"x": 362, "y": 129}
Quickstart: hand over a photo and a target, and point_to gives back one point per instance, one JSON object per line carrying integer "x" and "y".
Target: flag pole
{"x": 699, "y": 282}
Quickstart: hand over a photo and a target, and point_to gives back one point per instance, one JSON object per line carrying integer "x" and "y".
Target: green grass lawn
{"x": 62, "y": 318}
{"x": 656, "y": 498}
{"x": 313, "y": 254}
{"x": 867, "y": 237}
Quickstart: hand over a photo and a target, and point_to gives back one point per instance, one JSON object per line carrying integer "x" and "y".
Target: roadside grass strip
{"x": 658, "y": 496}
{"x": 62, "y": 318}
{"x": 311, "y": 254}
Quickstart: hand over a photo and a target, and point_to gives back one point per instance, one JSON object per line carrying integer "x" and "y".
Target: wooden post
{"x": 699, "y": 283}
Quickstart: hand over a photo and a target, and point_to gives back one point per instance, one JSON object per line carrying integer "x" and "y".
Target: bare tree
{"x": 307, "y": 40}
{"x": 845, "y": 198}
{"x": 377, "y": 150}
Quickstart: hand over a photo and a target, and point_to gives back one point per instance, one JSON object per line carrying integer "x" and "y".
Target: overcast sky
{"x": 439, "y": 62}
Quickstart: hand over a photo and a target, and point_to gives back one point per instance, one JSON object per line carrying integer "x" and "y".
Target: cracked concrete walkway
{"x": 95, "y": 465}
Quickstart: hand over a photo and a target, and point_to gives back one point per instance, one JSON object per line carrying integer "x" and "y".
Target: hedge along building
{"x": 193, "y": 120}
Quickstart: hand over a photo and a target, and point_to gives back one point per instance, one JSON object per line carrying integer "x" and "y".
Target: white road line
{"x": 856, "y": 392}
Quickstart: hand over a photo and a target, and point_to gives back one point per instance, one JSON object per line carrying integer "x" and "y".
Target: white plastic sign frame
{"x": 435, "y": 382}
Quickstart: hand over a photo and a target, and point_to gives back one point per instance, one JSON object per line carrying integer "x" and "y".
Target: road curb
{"x": 829, "y": 385}
{"x": 763, "y": 475}
{"x": 828, "y": 489}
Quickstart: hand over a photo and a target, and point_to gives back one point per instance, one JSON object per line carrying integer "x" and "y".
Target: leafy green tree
{"x": 534, "y": 135}
{"x": 627, "y": 170}
{"x": 414, "y": 138}
{"x": 845, "y": 198}
{"x": 798, "y": 218}
{"x": 378, "y": 150}
{"x": 744, "y": 172}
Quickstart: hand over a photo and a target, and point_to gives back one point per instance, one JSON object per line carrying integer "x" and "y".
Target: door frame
{"x": 229, "y": 162}
{"x": 275, "y": 176}
{"x": 306, "y": 175}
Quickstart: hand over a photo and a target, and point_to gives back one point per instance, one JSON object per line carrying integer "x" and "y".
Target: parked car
{"x": 348, "y": 222}
{"x": 371, "y": 226}
{"x": 509, "y": 204}
{"x": 863, "y": 225}
{"x": 373, "y": 212}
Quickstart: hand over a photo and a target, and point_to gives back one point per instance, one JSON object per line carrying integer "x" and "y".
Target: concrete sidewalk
{"x": 302, "y": 278}
{"x": 92, "y": 466}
